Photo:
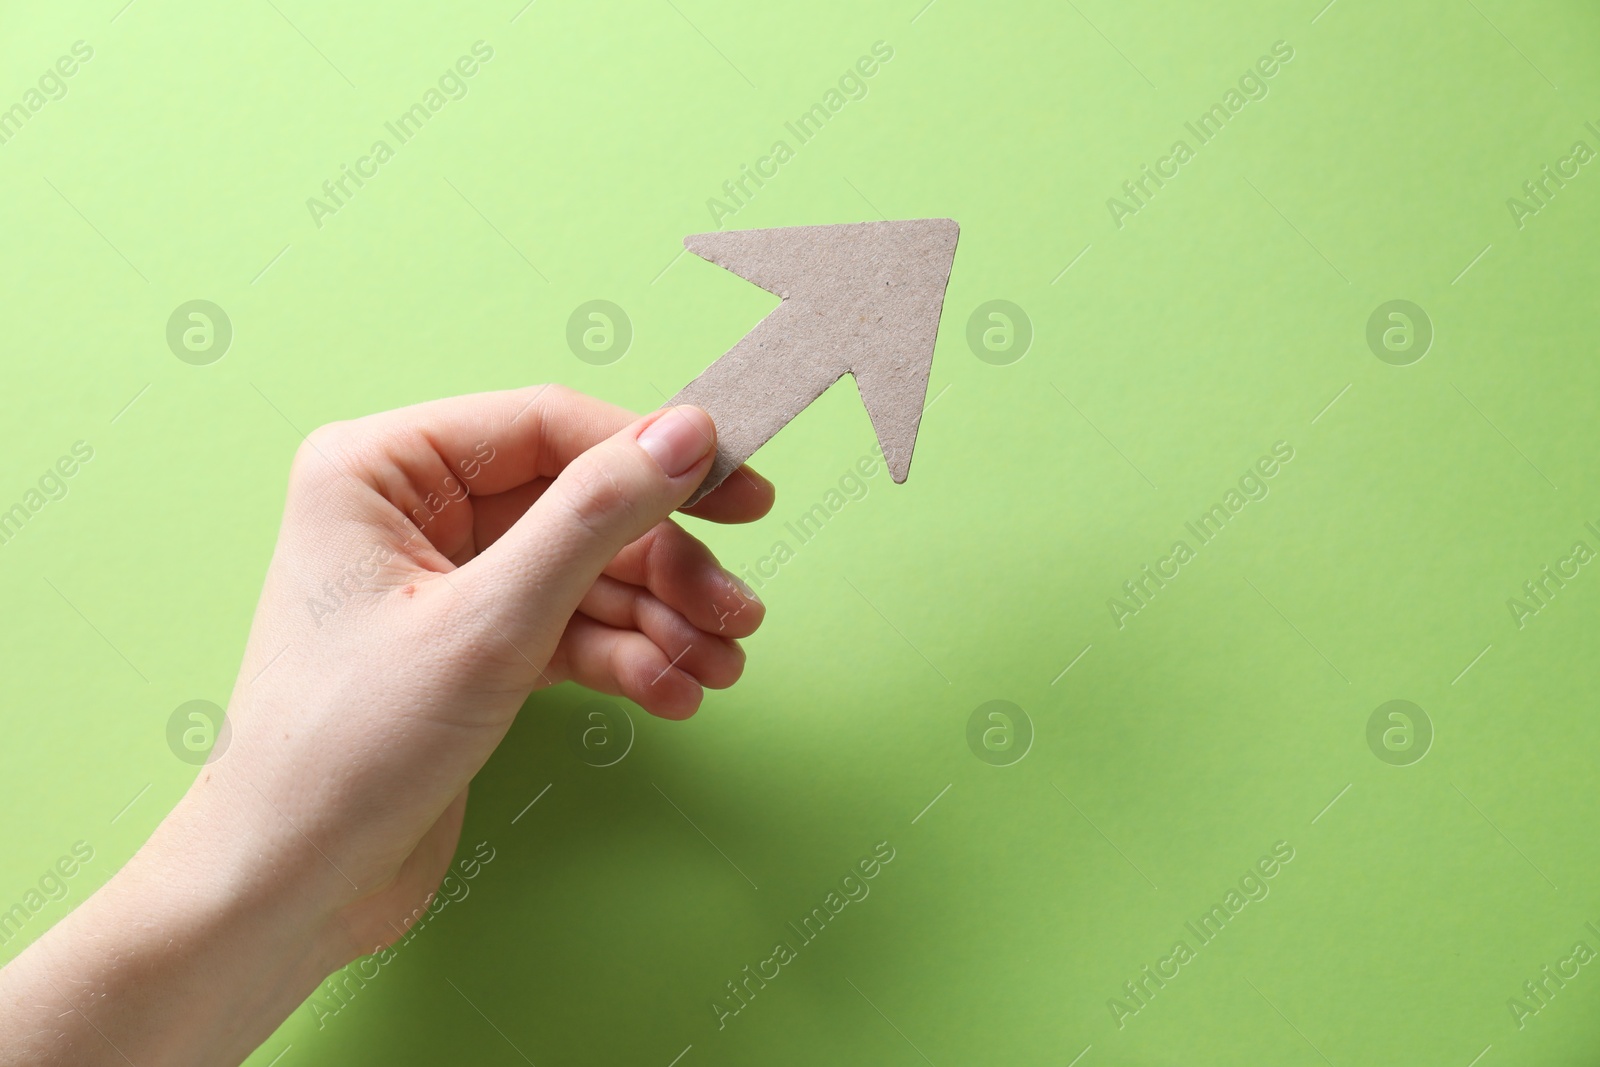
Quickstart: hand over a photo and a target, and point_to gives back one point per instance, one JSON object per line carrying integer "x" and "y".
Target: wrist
{"x": 193, "y": 953}
{"x": 227, "y": 920}
{"x": 243, "y": 861}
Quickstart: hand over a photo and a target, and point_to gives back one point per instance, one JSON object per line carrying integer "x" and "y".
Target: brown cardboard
{"x": 859, "y": 298}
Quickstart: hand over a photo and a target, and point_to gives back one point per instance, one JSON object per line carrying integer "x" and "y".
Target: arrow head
{"x": 859, "y": 298}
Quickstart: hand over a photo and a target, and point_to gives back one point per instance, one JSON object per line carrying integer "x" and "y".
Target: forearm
{"x": 193, "y": 953}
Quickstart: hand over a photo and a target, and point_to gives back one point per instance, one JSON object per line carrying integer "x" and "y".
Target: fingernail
{"x": 740, "y": 586}
{"x": 676, "y": 441}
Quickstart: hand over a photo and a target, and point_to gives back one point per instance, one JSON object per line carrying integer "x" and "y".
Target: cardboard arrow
{"x": 859, "y": 298}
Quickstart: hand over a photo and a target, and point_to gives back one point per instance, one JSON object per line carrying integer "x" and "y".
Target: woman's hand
{"x": 435, "y": 565}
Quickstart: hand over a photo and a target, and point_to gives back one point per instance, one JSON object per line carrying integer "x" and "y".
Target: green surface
{"x": 1225, "y": 315}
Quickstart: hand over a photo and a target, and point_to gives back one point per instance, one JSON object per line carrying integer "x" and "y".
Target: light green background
{"x": 1223, "y": 317}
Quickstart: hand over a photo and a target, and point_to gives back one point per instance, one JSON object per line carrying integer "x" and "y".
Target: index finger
{"x": 499, "y": 441}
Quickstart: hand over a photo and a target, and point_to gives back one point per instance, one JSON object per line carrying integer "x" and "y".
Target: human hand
{"x": 434, "y": 566}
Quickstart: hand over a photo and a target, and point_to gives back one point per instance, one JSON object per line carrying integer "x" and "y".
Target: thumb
{"x": 531, "y": 580}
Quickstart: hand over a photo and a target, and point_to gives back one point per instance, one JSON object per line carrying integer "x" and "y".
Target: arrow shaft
{"x": 753, "y": 391}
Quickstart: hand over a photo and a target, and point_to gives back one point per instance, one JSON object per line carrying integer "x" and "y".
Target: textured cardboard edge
{"x": 859, "y": 298}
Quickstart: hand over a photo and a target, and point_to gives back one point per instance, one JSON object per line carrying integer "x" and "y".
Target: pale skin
{"x": 360, "y": 715}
